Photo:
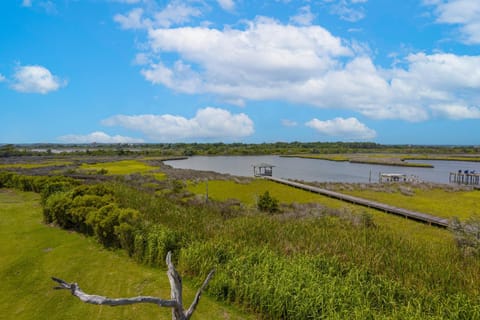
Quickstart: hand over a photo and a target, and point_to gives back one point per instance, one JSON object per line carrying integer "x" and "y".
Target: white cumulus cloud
{"x": 349, "y": 128}
{"x": 132, "y": 20}
{"x": 174, "y": 13}
{"x": 347, "y": 10}
{"x": 463, "y": 13}
{"x": 308, "y": 65}
{"x": 457, "y": 112}
{"x": 228, "y": 5}
{"x": 98, "y": 137}
{"x": 256, "y": 63}
{"x": 2, "y": 78}
{"x": 304, "y": 17}
{"x": 301, "y": 63}
{"x": 208, "y": 123}
{"x": 35, "y": 79}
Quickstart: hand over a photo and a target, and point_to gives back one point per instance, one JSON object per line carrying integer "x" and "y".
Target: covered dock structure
{"x": 263, "y": 170}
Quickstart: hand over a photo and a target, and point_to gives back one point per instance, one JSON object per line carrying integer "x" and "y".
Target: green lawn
{"x": 438, "y": 202}
{"x": 32, "y": 252}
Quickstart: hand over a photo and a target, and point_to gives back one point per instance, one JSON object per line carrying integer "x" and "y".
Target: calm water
{"x": 320, "y": 170}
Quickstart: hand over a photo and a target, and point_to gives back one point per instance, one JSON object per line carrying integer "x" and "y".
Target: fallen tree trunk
{"x": 176, "y": 301}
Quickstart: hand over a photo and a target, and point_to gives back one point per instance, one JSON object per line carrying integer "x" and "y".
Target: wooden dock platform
{"x": 414, "y": 215}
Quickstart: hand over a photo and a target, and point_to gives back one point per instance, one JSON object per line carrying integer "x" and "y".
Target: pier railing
{"x": 414, "y": 215}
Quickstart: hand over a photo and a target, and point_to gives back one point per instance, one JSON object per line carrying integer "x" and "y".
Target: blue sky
{"x": 115, "y": 71}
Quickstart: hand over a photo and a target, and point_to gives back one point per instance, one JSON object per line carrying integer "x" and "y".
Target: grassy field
{"x": 424, "y": 201}
{"x": 119, "y": 167}
{"x": 436, "y": 201}
{"x": 32, "y": 252}
{"x": 249, "y": 192}
{"x": 124, "y": 167}
{"x": 420, "y": 259}
{"x": 42, "y": 164}
{"x": 442, "y": 202}
{"x": 317, "y": 258}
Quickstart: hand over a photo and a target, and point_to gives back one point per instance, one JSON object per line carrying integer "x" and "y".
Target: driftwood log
{"x": 175, "y": 302}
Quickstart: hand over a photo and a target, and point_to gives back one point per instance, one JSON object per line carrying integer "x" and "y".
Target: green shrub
{"x": 52, "y": 185}
{"x": 128, "y": 221}
{"x": 103, "y": 222}
{"x": 267, "y": 203}
{"x": 85, "y": 205}
{"x": 57, "y": 210}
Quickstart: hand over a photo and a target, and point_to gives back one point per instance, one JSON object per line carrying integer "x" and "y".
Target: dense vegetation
{"x": 333, "y": 263}
{"x": 190, "y": 149}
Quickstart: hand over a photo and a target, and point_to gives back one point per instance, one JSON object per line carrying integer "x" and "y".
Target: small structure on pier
{"x": 263, "y": 170}
{"x": 397, "y": 177}
{"x": 392, "y": 177}
{"x": 465, "y": 177}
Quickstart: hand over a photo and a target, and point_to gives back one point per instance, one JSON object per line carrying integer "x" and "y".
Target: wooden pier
{"x": 417, "y": 216}
{"x": 469, "y": 178}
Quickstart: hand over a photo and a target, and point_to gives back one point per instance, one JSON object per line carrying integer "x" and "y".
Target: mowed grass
{"x": 32, "y": 252}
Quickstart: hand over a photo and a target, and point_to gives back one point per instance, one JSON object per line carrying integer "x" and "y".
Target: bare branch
{"x": 176, "y": 301}
{"x": 196, "y": 300}
{"x": 101, "y": 300}
{"x": 175, "y": 288}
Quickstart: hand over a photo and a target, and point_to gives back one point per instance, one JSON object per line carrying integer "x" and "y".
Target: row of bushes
{"x": 44, "y": 185}
{"x": 94, "y": 210}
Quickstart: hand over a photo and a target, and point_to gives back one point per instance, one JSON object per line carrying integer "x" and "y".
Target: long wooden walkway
{"x": 414, "y": 215}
